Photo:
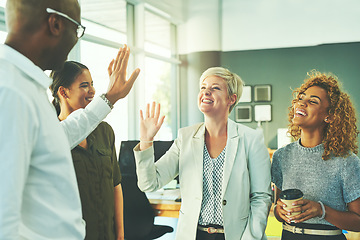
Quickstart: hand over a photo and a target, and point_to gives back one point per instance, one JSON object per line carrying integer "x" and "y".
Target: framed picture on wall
{"x": 243, "y": 113}
{"x": 262, "y": 93}
{"x": 246, "y": 94}
{"x": 262, "y": 113}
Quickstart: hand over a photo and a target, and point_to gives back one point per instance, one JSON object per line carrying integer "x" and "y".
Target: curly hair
{"x": 340, "y": 134}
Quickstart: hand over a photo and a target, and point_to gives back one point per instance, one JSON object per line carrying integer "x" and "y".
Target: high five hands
{"x": 150, "y": 125}
{"x": 119, "y": 87}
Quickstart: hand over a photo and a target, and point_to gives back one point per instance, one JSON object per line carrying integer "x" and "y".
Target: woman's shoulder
{"x": 191, "y": 129}
{"x": 351, "y": 160}
{"x": 279, "y": 153}
{"x": 104, "y": 128}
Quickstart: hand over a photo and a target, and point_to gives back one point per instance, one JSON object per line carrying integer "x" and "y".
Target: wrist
{"x": 111, "y": 97}
{"x": 322, "y": 212}
{"x": 105, "y": 97}
{"x": 146, "y": 139}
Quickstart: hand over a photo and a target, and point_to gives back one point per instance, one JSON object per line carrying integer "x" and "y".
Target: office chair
{"x": 138, "y": 213}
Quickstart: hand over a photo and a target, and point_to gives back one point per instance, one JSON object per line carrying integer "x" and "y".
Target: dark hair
{"x": 64, "y": 77}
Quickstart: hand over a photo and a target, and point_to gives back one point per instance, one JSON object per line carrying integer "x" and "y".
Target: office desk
{"x": 163, "y": 202}
{"x": 165, "y": 208}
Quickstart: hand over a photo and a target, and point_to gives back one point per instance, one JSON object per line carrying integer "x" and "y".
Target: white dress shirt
{"x": 39, "y": 196}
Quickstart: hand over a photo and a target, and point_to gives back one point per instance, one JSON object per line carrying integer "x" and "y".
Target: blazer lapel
{"x": 197, "y": 146}
{"x": 231, "y": 150}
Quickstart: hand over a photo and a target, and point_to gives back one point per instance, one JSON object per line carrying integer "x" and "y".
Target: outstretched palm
{"x": 152, "y": 122}
{"x": 119, "y": 87}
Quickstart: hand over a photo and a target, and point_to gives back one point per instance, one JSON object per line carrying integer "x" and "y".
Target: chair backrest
{"x": 138, "y": 213}
{"x": 127, "y": 159}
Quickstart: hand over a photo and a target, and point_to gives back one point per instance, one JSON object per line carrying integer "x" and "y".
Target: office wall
{"x": 233, "y": 25}
{"x": 283, "y": 68}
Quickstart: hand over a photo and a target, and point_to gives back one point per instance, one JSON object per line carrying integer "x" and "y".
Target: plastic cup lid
{"x": 291, "y": 194}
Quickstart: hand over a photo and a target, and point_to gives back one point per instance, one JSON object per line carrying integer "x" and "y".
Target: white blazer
{"x": 246, "y": 193}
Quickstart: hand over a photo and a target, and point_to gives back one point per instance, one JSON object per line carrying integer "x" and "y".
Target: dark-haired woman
{"x": 322, "y": 163}
{"x": 95, "y": 161}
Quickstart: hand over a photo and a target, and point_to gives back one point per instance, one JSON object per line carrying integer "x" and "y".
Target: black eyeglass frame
{"x": 80, "y": 28}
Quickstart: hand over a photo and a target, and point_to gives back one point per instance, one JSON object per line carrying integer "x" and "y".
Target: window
{"x": 98, "y": 65}
{"x": 105, "y": 19}
{"x": 160, "y": 70}
{"x": 158, "y": 89}
{"x": 151, "y": 36}
{"x": 3, "y": 36}
{"x": 157, "y": 35}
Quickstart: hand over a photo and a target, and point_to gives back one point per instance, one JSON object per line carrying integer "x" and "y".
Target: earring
{"x": 326, "y": 119}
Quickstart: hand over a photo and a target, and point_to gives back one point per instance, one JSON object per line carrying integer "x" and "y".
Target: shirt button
{"x": 224, "y": 202}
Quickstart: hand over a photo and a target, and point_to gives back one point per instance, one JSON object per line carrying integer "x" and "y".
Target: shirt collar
{"x": 25, "y": 65}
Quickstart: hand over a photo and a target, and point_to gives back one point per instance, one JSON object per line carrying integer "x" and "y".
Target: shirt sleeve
{"x": 80, "y": 123}
{"x": 276, "y": 173}
{"x": 18, "y": 135}
{"x": 351, "y": 178}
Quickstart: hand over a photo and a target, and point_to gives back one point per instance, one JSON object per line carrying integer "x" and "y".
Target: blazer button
{"x": 224, "y": 202}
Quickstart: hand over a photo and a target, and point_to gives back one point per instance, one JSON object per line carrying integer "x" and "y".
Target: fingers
{"x": 162, "y": 120}
{"x": 157, "y": 113}
{"x": 133, "y": 77}
{"x": 152, "y": 110}
{"x": 110, "y": 68}
{"x": 307, "y": 211}
{"x": 148, "y": 110}
{"x": 153, "y": 113}
{"x": 121, "y": 55}
{"x": 141, "y": 115}
{"x": 125, "y": 59}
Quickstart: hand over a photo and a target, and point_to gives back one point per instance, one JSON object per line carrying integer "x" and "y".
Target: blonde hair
{"x": 233, "y": 82}
{"x": 340, "y": 134}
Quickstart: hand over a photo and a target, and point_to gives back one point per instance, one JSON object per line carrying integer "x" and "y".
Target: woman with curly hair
{"x": 322, "y": 163}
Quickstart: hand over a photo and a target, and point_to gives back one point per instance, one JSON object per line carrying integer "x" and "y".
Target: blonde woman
{"x": 223, "y": 166}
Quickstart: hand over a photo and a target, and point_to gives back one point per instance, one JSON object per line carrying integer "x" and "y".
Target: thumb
{"x": 133, "y": 76}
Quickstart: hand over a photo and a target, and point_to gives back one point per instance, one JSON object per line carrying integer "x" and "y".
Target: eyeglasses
{"x": 80, "y": 28}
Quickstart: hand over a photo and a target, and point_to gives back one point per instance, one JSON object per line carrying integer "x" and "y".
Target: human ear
{"x": 55, "y": 24}
{"x": 233, "y": 99}
{"x": 62, "y": 92}
{"x": 328, "y": 119}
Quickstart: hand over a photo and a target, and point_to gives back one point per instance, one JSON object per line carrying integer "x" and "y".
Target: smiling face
{"x": 81, "y": 92}
{"x": 213, "y": 97}
{"x": 311, "y": 108}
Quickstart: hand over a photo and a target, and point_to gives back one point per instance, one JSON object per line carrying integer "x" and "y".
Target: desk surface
{"x": 165, "y": 208}
{"x": 164, "y": 204}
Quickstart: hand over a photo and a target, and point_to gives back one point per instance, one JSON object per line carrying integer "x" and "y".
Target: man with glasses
{"x": 39, "y": 196}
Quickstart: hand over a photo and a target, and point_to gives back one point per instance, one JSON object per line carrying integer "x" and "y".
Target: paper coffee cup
{"x": 288, "y": 197}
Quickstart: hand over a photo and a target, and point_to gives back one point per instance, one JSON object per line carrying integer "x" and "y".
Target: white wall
{"x": 201, "y": 28}
{"x": 261, "y": 24}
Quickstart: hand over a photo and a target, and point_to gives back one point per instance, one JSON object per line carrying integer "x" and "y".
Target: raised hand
{"x": 119, "y": 87}
{"x": 150, "y": 125}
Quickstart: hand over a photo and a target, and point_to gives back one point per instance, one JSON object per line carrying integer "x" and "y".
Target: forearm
{"x": 344, "y": 220}
{"x": 119, "y": 212}
{"x": 79, "y": 124}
